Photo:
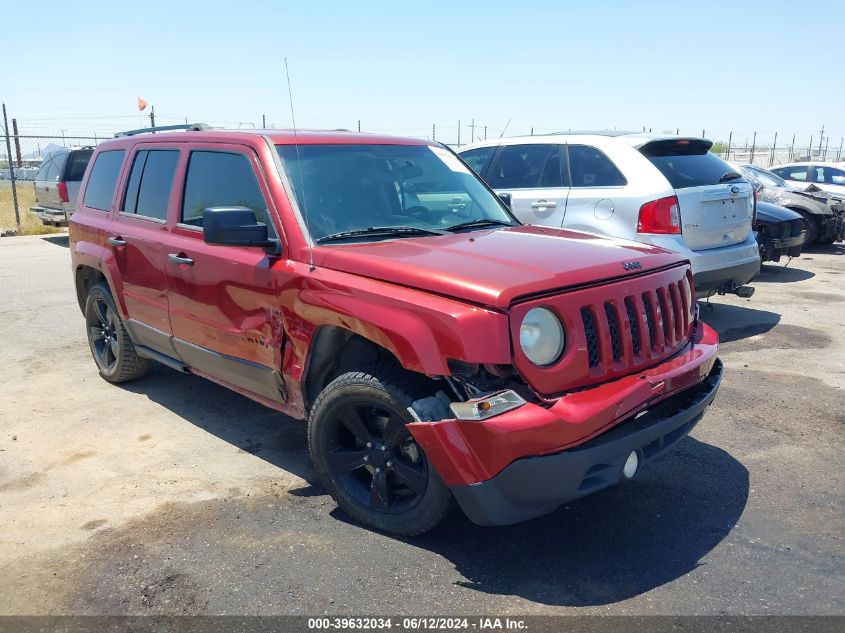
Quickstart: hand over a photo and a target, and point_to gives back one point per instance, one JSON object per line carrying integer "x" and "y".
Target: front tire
{"x": 366, "y": 458}
{"x": 812, "y": 227}
{"x": 111, "y": 347}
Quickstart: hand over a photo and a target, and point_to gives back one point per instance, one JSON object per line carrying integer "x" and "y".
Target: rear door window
{"x": 519, "y": 167}
{"x": 150, "y": 182}
{"x": 99, "y": 192}
{"x": 76, "y": 164}
{"x": 554, "y": 172}
{"x": 220, "y": 179}
{"x": 686, "y": 162}
{"x": 589, "y": 167}
{"x": 478, "y": 158}
{"x": 829, "y": 175}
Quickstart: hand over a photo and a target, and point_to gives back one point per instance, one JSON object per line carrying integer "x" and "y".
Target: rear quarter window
{"x": 99, "y": 192}
{"x": 589, "y": 167}
{"x": 686, "y": 163}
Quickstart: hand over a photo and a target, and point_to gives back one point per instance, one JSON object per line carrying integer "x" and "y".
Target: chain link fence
{"x": 27, "y": 152}
{"x": 17, "y": 176}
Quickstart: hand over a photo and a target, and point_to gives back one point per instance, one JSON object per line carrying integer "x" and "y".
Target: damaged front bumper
{"x": 526, "y": 462}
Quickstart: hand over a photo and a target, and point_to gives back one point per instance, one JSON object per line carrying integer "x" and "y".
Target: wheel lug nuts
{"x": 389, "y": 464}
{"x": 378, "y": 470}
{"x": 383, "y": 447}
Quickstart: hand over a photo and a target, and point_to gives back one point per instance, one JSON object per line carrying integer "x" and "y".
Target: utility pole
{"x": 839, "y": 153}
{"x": 791, "y": 149}
{"x": 753, "y": 146}
{"x": 63, "y": 138}
{"x": 11, "y": 169}
{"x": 774, "y": 145}
{"x": 359, "y": 125}
{"x": 433, "y": 137}
{"x": 472, "y": 131}
{"x": 485, "y": 132}
{"x": 263, "y": 122}
{"x": 459, "y": 132}
{"x": 728, "y": 149}
{"x": 17, "y": 141}
{"x": 152, "y": 116}
{"x": 821, "y": 138}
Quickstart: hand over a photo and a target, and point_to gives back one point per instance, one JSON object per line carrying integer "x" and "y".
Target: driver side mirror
{"x": 236, "y": 226}
{"x": 506, "y": 198}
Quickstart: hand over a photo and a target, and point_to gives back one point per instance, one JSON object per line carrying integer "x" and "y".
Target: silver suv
{"x": 668, "y": 191}
{"x": 57, "y": 183}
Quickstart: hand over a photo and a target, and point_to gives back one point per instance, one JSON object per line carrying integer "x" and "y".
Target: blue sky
{"x": 401, "y": 66}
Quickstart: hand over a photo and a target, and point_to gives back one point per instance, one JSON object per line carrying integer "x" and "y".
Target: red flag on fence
{"x": 142, "y": 104}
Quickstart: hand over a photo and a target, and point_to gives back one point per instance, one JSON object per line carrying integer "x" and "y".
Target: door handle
{"x": 117, "y": 242}
{"x": 181, "y": 259}
{"x": 543, "y": 204}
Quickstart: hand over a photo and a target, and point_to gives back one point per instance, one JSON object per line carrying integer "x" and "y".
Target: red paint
{"x": 425, "y": 300}
{"x": 465, "y": 452}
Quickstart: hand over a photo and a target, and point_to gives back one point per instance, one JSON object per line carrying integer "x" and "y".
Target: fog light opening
{"x": 631, "y": 465}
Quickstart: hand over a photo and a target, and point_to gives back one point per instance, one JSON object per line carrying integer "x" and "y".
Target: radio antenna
{"x": 299, "y": 169}
{"x": 505, "y": 129}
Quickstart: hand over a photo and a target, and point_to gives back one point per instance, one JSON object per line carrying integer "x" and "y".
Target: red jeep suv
{"x": 439, "y": 349}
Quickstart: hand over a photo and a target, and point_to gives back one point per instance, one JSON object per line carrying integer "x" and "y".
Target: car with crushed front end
{"x": 780, "y": 232}
{"x": 375, "y": 286}
{"x": 823, "y": 213}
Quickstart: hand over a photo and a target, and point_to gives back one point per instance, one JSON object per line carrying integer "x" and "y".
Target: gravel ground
{"x": 171, "y": 495}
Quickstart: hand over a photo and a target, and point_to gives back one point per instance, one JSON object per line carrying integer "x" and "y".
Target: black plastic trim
{"x": 726, "y": 278}
{"x": 259, "y": 379}
{"x": 534, "y": 486}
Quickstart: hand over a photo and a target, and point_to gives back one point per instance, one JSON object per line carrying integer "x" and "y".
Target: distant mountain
{"x": 49, "y": 147}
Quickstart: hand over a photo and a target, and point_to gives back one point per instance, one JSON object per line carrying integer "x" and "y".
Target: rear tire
{"x": 111, "y": 347}
{"x": 367, "y": 459}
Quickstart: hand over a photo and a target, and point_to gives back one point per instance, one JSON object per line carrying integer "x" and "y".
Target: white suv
{"x": 668, "y": 191}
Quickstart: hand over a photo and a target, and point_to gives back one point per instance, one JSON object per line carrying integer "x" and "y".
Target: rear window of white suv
{"x": 688, "y": 163}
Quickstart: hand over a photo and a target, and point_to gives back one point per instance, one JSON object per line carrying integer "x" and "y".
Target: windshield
{"x": 766, "y": 178}
{"x": 345, "y": 188}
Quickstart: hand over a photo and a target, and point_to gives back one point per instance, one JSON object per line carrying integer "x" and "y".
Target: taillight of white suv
{"x": 61, "y": 189}
{"x": 662, "y": 216}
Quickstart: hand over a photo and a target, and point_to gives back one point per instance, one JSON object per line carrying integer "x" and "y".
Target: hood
{"x": 769, "y": 213}
{"x": 811, "y": 201}
{"x": 494, "y": 267}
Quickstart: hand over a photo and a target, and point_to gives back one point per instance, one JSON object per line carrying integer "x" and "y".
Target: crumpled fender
{"x": 422, "y": 330}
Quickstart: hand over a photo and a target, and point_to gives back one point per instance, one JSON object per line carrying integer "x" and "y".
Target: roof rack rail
{"x": 190, "y": 127}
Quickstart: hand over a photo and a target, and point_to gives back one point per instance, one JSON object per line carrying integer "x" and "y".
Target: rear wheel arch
{"x": 85, "y": 277}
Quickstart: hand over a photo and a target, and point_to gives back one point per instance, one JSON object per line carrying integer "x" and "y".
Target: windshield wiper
{"x": 478, "y": 223}
{"x": 731, "y": 175}
{"x": 392, "y": 231}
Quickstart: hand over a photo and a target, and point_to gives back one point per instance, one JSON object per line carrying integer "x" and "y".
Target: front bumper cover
{"x": 535, "y": 486}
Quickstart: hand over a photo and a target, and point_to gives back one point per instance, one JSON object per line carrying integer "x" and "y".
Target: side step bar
{"x": 146, "y": 352}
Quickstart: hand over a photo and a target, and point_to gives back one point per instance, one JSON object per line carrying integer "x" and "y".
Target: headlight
{"x": 541, "y": 336}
